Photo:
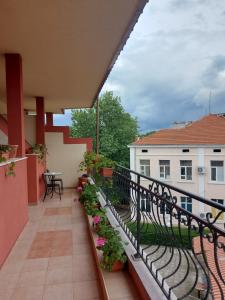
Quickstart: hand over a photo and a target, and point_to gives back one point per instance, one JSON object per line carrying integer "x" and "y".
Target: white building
{"x": 191, "y": 158}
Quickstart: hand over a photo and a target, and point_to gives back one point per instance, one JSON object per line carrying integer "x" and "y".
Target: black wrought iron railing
{"x": 179, "y": 236}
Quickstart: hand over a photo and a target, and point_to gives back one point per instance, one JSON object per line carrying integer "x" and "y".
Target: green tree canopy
{"x": 117, "y": 128}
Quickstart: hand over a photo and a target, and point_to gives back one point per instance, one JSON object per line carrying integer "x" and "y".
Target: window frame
{"x": 186, "y": 202}
{"x": 186, "y": 169}
{"x": 144, "y": 168}
{"x": 164, "y": 166}
{"x": 216, "y": 180}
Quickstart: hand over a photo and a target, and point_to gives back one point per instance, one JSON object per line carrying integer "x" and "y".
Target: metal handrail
{"x": 178, "y": 247}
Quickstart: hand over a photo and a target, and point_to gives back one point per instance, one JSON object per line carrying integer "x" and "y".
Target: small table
{"x": 50, "y": 183}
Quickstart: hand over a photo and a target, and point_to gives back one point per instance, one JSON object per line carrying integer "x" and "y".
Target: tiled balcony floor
{"x": 52, "y": 258}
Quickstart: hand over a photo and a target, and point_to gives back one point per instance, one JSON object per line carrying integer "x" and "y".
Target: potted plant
{"x": 4, "y": 152}
{"x": 40, "y": 150}
{"x": 89, "y": 161}
{"x": 13, "y": 151}
{"x": 89, "y": 194}
{"x": 105, "y": 165}
{"x": 114, "y": 256}
{"x": 99, "y": 218}
{"x": 82, "y": 180}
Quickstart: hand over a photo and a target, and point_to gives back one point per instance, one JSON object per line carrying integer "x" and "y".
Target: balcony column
{"x": 49, "y": 119}
{"x": 15, "y": 103}
{"x": 40, "y": 121}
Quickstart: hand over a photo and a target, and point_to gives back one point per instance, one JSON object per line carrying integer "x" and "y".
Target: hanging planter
{"x": 106, "y": 172}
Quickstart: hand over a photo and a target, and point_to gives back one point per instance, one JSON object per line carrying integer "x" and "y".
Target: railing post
{"x": 138, "y": 233}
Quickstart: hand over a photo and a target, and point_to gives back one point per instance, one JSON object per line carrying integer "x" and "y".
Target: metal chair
{"x": 51, "y": 186}
{"x": 57, "y": 180}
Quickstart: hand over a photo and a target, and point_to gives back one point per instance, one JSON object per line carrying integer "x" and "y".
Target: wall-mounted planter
{"x": 106, "y": 172}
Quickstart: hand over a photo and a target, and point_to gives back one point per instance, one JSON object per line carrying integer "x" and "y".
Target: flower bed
{"x": 109, "y": 241}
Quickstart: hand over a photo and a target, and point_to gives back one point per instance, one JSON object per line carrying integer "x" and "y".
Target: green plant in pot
{"x": 99, "y": 218}
{"x": 106, "y": 231}
{"x": 41, "y": 150}
{"x": 89, "y": 161}
{"x": 105, "y": 165}
{"x": 4, "y": 152}
{"x": 114, "y": 256}
{"x": 91, "y": 208}
{"x": 89, "y": 194}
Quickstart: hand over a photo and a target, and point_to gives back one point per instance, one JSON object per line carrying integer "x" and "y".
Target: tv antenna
{"x": 210, "y": 99}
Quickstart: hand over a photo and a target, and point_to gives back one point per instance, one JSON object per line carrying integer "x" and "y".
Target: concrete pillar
{"x": 15, "y": 103}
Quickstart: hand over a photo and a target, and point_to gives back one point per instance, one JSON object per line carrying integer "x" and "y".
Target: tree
{"x": 117, "y": 128}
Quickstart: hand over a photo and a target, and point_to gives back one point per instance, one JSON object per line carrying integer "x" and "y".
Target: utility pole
{"x": 97, "y": 126}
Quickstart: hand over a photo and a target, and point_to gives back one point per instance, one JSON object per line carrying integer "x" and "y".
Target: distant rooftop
{"x": 208, "y": 130}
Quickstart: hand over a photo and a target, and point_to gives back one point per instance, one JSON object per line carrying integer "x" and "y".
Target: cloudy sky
{"x": 174, "y": 57}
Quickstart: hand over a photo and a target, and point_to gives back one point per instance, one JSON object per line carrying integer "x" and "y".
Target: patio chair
{"x": 51, "y": 186}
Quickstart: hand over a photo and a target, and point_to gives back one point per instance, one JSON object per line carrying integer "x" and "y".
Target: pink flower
{"x": 100, "y": 242}
{"x": 79, "y": 189}
{"x": 96, "y": 219}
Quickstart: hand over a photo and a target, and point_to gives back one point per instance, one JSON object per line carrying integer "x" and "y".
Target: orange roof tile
{"x": 217, "y": 285}
{"x": 208, "y": 130}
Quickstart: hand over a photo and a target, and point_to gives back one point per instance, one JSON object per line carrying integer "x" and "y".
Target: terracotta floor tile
{"x": 36, "y": 264}
{"x": 51, "y": 211}
{"x": 86, "y": 290}
{"x": 67, "y": 251}
{"x": 60, "y": 262}
{"x": 6, "y": 294}
{"x": 28, "y": 293}
{"x": 39, "y": 253}
{"x": 11, "y": 267}
{"x": 59, "y": 292}
{"x": 33, "y": 278}
{"x": 8, "y": 281}
{"x": 57, "y": 276}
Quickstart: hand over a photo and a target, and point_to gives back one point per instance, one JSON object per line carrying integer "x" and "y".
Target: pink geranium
{"x": 101, "y": 242}
{"x": 79, "y": 189}
{"x": 96, "y": 219}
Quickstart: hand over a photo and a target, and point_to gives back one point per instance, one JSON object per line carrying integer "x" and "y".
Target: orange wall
{"x": 35, "y": 169}
{"x": 13, "y": 206}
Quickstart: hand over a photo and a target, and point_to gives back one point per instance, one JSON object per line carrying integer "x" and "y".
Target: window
{"x": 145, "y": 167}
{"x": 185, "y": 150}
{"x": 186, "y": 203}
{"x": 144, "y": 150}
{"x": 186, "y": 169}
{"x": 220, "y": 201}
{"x": 145, "y": 204}
{"x": 216, "y": 150}
{"x": 217, "y": 170}
{"x": 164, "y": 169}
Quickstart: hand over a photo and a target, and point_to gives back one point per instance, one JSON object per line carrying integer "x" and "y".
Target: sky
{"x": 172, "y": 62}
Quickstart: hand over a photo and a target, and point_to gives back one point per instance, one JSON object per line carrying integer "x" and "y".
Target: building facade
{"x": 191, "y": 158}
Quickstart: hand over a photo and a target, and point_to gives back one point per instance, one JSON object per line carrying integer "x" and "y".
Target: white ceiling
{"x": 67, "y": 46}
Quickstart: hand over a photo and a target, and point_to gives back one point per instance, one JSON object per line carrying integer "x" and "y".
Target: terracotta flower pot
{"x": 13, "y": 152}
{"x": 106, "y": 172}
{"x": 117, "y": 266}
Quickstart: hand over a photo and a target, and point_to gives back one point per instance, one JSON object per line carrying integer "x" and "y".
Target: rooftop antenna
{"x": 210, "y": 98}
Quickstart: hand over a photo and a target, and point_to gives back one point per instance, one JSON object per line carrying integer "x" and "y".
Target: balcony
{"x": 183, "y": 252}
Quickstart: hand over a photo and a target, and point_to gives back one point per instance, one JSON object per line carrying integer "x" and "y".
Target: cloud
{"x": 172, "y": 60}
